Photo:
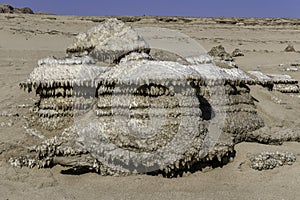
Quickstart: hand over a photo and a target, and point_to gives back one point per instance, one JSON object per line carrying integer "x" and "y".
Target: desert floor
{"x": 26, "y": 38}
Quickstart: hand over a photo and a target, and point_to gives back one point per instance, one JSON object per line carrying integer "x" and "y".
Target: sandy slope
{"x": 26, "y": 38}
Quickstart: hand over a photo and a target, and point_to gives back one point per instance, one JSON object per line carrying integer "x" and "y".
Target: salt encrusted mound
{"x": 219, "y": 51}
{"x": 141, "y": 115}
{"x": 108, "y": 42}
{"x": 69, "y": 69}
{"x": 213, "y": 74}
{"x": 237, "y": 53}
{"x": 278, "y": 82}
{"x": 221, "y": 58}
{"x": 62, "y": 85}
{"x": 163, "y": 55}
{"x": 271, "y": 160}
{"x": 261, "y": 78}
{"x": 200, "y": 59}
{"x": 284, "y": 83}
{"x": 168, "y": 91}
{"x": 186, "y": 97}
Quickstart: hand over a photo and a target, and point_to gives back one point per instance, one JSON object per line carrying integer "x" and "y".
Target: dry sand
{"x": 26, "y": 38}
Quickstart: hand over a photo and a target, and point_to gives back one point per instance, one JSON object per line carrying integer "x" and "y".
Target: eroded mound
{"x": 142, "y": 115}
{"x": 108, "y": 42}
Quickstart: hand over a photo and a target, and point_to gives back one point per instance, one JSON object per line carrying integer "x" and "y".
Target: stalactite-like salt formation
{"x": 140, "y": 115}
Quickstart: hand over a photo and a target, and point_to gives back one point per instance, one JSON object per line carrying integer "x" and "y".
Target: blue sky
{"x": 202, "y": 8}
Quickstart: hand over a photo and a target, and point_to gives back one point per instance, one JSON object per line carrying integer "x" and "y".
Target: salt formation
{"x": 278, "y": 82}
{"x": 54, "y": 81}
{"x": 237, "y": 53}
{"x": 200, "y": 59}
{"x": 140, "y": 115}
{"x": 284, "y": 83}
{"x": 219, "y": 51}
{"x": 108, "y": 42}
{"x": 222, "y": 58}
{"x": 271, "y": 160}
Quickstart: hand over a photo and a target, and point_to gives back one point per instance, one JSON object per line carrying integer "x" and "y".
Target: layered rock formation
{"x": 54, "y": 81}
{"x": 141, "y": 115}
{"x": 277, "y": 82}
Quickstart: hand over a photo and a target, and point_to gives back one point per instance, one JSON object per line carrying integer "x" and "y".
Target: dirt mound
{"x": 290, "y": 48}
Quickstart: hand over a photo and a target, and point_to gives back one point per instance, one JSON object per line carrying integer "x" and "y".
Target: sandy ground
{"x": 24, "y": 39}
